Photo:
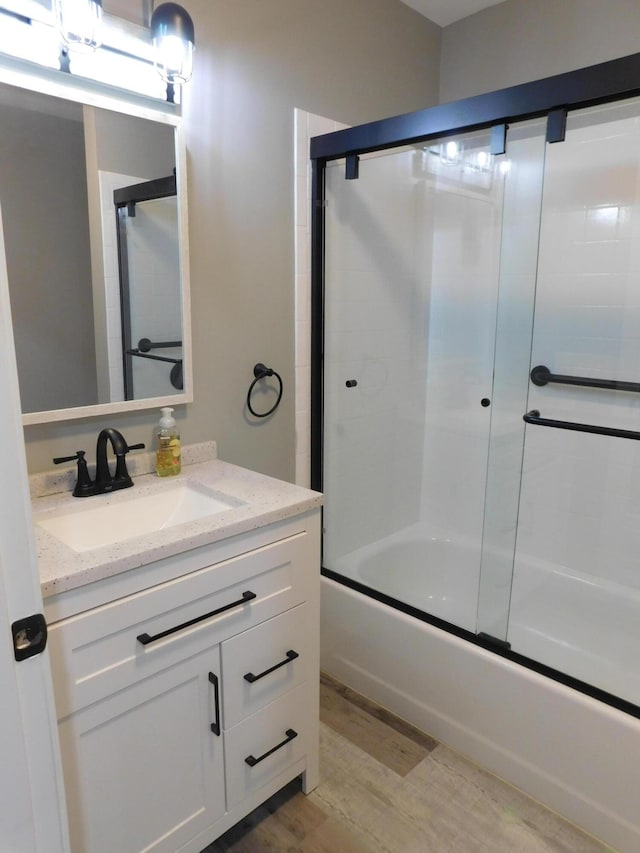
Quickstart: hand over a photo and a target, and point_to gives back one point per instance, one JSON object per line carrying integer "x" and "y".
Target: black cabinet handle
{"x": 146, "y": 638}
{"x": 252, "y": 760}
{"x": 351, "y": 383}
{"x": 291, "y": 655}
{"x": 213, "y": 678}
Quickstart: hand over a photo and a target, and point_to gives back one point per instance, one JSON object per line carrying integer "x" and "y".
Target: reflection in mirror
{"x": 148, "y": 261}
{"x": 78, "y": 309}
{"x": 47, "y": 251}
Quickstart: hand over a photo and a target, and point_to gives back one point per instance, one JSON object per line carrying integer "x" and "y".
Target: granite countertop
{"x": 260, "y": 500}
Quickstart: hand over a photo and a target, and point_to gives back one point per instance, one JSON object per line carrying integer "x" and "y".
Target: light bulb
{"x": 80, "y": 23}
{"x": 173, "y": 39}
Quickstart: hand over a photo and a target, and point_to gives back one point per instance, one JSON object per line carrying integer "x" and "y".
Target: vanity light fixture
{"x": 173, "y": 37}
{"x": 80, "y": 23}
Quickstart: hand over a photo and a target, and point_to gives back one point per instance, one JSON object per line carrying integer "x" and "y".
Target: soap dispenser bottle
{"x": 168, "y": 447}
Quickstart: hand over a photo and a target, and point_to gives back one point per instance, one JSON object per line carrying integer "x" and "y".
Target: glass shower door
{"x": 411, "y": 282}
{"x": 575, "y": 602}
{"x": 524, "y": 168}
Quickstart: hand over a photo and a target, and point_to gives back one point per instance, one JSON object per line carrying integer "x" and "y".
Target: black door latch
{"x": 29, "y": 636}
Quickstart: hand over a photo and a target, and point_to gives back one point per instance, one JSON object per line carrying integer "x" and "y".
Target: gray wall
{"x": 352, "y": 60}
{"x": 521, "y": 40}
{"x": 133, "y": 146}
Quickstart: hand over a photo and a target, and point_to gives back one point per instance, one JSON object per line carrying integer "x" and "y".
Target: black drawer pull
{"x": 251, "y": 760}
{"x": 291, "y": 655}
{"x": 213, "y": 678}
{"x": 146, "y": 638}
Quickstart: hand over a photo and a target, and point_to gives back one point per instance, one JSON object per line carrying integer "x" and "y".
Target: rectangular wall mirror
{"x": 95, "y": 233}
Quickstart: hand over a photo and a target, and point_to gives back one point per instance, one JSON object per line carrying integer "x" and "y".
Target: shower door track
{"x": 596, "y": 84}
{"x": 554, "y": 97}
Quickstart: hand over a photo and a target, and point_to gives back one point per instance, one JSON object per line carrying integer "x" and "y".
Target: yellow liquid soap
{"x": 168, "y": 456}
{"x": 168, "y": 446}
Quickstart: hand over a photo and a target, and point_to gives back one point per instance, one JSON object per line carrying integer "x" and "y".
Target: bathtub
{"x": 436, "y": 574}
{"x": 578, "y": 756}
{"x": 579, "y": 625}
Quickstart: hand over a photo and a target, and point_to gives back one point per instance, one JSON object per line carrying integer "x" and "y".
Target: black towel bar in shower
{"x": 153, "y": 357}
{"x": 176, "y": 375}
{"x": 541, "y": 375}
{"x": 144, "y": 344}
{"x": 533, "y": 417}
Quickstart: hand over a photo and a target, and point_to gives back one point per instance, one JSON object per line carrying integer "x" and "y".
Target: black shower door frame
{"x": 553, "y": 97}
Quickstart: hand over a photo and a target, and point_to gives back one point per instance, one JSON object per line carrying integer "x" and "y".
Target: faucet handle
{"x": 79, "y": 454}
{"x": 84, "y": 486}
{"x": 121, "y": 479}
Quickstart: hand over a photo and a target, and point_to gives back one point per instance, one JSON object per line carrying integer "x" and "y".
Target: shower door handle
{"x": 533, "y": 417}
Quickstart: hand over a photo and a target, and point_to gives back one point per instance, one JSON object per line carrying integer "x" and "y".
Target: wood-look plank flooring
{"x": 386, "y": 787}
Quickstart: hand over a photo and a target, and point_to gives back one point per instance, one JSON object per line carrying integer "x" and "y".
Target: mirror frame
{"x": 55, "y": 83}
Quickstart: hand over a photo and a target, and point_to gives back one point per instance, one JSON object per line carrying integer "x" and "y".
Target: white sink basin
{"x": 99, "y": 524}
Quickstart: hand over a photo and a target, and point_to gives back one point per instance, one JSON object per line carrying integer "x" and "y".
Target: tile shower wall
{"x": 587, "y": 323}
{"x": 466, "y": 230}
{"x": 412, "y": 256}
{"x": 378, "y": 261}
{"x": 580, "y": 498}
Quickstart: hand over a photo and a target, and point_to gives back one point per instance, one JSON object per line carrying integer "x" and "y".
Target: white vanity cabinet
{"x": 187, "y": 689}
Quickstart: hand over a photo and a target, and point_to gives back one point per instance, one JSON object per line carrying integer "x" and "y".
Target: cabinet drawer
{"x": 98, "y": 652}
{"x": 265, "y": 744}
{"x": 265, "y": 662}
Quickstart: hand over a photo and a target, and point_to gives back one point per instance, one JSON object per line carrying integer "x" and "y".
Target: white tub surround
{"x": 261, "y": 501}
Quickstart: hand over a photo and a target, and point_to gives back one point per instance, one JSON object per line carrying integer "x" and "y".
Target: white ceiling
{"x": 445, "y": 12}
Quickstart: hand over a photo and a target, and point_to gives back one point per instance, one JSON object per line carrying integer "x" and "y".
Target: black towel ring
{"x": 260, "y": 372}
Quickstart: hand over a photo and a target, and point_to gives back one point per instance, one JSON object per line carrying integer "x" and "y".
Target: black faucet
{"x": 104, "y": 481}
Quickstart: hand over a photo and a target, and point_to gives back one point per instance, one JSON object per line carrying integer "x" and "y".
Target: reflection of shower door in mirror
{"x": 411, "y": 282}
{"x": 150, "y": 294}
{"x": 575, "y": 603}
